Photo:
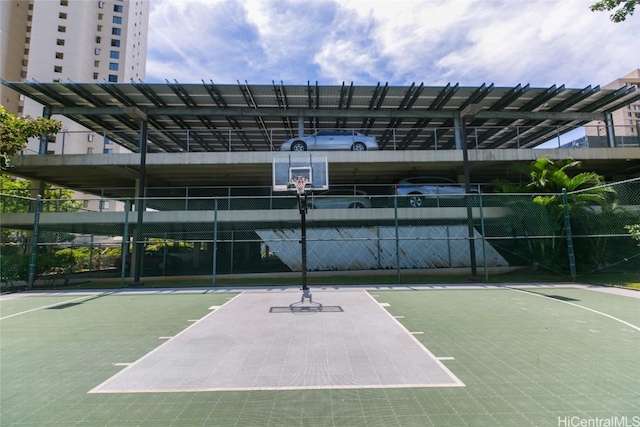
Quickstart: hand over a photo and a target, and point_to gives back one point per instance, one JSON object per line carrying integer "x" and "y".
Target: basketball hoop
{"x": 299, "y": 183}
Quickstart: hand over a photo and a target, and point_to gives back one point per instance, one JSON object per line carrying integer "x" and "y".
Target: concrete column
{"x": 300, "y": 127}
{"x": 44, "y": 139}
{"x": 611, "y": 133}
{"x": 195, "y": 263}
{"x": 134, "y": 237}
{"x": 457, "y": 131}
{"x": 138, "y": 248}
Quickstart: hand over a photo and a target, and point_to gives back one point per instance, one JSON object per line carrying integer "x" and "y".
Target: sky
{"x": 400, "y": 42}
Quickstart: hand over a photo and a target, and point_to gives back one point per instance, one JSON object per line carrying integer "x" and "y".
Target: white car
{"x": 332, "y": 139}
{"x": 420, "y": 189}
{"x": 339, "y": 199}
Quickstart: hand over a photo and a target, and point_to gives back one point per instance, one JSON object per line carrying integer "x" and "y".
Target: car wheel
{"x": 358, "y": 146}
{"x": 298, "y": 146}
{"x": 416, "y": 201}
{"x": 356, "y": 206}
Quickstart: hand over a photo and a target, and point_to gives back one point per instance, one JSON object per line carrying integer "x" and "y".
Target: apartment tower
{"x": 625, "y": 121}
{"x": 71, "y": 41}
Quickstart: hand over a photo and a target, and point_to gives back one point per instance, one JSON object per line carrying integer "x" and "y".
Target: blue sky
{"x": 470, "y": 42}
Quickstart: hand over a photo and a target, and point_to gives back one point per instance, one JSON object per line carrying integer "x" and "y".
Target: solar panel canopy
{"x": 209, "y": 117}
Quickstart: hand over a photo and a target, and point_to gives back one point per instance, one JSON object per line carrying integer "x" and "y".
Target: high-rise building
{"x": 71, "y": 41}
{"x": 625, "y": 122}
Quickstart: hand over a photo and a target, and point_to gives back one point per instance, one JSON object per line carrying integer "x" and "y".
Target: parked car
{"x": 339, "y": 199}
{"x": 419, "y": 189}
{"x": 152, "y": 260}
{"x": 332, "y": 139}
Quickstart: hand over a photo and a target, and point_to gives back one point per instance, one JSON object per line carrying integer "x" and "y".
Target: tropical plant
{"x": 540, "y": 218}
{"x": 15, "y": 131}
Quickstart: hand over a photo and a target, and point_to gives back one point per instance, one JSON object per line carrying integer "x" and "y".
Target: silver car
{"x": 339, "y": 199}
{"x": 332, "y": 139}
{"x": 419, "y": 189}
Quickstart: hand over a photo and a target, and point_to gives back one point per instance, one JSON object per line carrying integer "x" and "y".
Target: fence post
{"x": 125, "y": 242}
{"x": 34, "y": 243}
{"x": 483, "y": 236}
{"x": 567, "y": 227}
{"x": 91, "y": 255}
{"x": 395, "y": 214}
{"x": 215, "y": 241}
{"x": 231, "y": 251}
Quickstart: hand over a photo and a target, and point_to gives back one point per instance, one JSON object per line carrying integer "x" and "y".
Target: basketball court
{"x": 420, "y": 355}
{"x": 272, "y": 340}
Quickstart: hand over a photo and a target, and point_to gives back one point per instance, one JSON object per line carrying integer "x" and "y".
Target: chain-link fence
{"x": 566, "y": 235}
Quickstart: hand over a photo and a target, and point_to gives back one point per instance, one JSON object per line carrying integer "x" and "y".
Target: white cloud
{"x": 541, "y": 42}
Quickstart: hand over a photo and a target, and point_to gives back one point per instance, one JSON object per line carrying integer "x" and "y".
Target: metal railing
{"x": 428, "y": 138}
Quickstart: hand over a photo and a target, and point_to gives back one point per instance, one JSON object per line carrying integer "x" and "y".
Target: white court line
{"x": 53, "y": 305}
{"x": 579, "y": 306}
{"x": 279, "y": 388}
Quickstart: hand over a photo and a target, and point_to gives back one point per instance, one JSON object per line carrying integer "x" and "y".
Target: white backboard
{"x": 313, "y": 166}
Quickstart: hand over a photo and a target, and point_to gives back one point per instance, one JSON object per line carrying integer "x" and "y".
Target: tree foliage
{"x": 634, "y": 230}
{"x": 539, "y": 213}
{"x": 15, "y": 131}
{"x": 55, "y": 199}
{"x": 552, "y": 176}
{"x": 16, "y": 198}
{"x": 584, "y": 188}
{"x": 622, "y": 8}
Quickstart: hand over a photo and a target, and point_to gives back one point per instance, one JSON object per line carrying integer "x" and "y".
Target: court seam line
{"x": 58, "y": 303}
{"x": 576, "y": 305}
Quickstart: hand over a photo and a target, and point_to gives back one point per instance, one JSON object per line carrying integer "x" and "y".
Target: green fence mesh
{"x": 481, "y": 234}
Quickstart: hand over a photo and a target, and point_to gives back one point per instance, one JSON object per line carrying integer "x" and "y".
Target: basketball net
{"x": 299, "y": 182}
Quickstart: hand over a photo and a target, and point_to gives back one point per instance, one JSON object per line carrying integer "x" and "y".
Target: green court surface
{"x": 541, "y": 356}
